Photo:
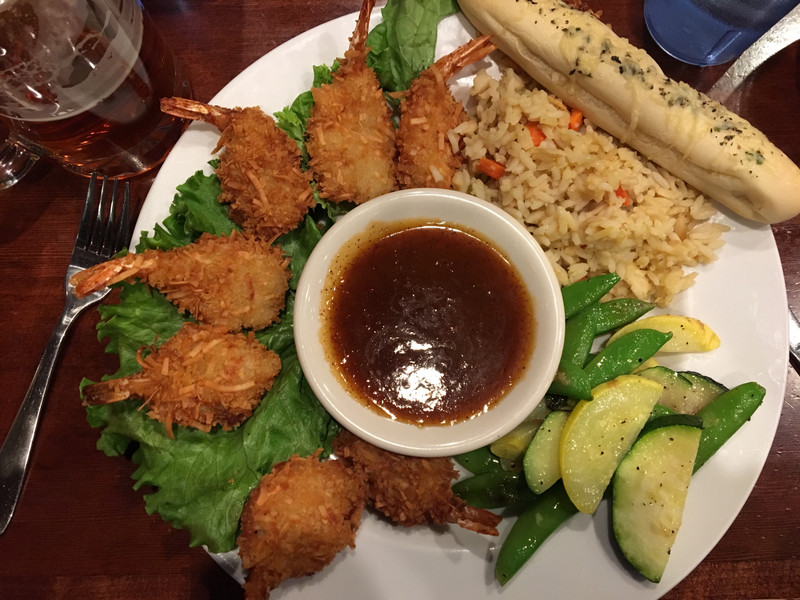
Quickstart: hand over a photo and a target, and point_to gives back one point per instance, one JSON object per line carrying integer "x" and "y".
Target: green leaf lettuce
{"x": 199, "y": 481}
{"x": 405, "y": 42}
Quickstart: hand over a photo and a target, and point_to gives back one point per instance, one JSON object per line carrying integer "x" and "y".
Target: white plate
{"x": 742, "y": 296}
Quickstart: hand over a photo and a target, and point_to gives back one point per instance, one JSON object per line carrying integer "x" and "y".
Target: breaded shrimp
{"x": 351, "y": 137}
{"x": 201, "y": 377}
{"x": 410, "y": 490}
{"x": 425, "y": 156}
{"x": 299, "y": 517}
{"x": 259, "y": 171}
{"x": 232, "y": 281}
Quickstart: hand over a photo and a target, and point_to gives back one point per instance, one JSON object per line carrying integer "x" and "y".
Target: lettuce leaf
{"x": 405, "y": 42}
{"x": 199, "y": 480}
{"x": 142, "y": 317}
{"x": 293, "y": 118}
{"x": 194, "y": 211}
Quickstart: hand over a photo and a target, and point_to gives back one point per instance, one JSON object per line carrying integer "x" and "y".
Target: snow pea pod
{"x": 659, "y": 410}
{"x": 624, "y": 354}
{"x": 571, "y": 381}
{"x": 579, "y": 334}
{"x": 616, "y": 313}
{"x": 548, "y": 511}
{"x": 721, "y": 419}
{"x": 582, "y": 294}
{"x": 494, "y": 489}
{"x": 723, "y": 416}
{"x": 480, "y": 460}
{"x": 543, "y": 517}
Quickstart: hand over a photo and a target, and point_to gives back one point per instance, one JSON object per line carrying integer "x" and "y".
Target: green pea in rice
{"x": 593, "y": 204}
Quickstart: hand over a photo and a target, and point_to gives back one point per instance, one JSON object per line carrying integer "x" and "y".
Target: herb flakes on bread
{"x": 624, "y": 91}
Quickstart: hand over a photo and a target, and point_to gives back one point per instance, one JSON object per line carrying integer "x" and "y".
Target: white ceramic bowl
{"x": 506, "y": 235}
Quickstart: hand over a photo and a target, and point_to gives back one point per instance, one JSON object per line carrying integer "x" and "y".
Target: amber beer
{"x": 93, "y": 102}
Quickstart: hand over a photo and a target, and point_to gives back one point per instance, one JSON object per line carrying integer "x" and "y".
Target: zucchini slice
{"x": 649, "y": 494}
{"x": 684, "y": 392}
{"x": 541, "y": 464}
{"x": 704, "y": 389}
{"x": 677, "y": 388}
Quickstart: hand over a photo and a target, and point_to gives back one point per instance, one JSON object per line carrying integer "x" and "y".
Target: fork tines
{"x": 107, "y": 232}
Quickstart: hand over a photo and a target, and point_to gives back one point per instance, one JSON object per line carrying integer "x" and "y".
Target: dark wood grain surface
{"x": 81, "y": 531}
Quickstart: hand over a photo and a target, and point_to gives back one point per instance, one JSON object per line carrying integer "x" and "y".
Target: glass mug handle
{"x": 15, "y": 162}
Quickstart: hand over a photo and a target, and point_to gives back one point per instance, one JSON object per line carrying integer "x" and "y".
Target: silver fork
{"x": 104, "y": 230}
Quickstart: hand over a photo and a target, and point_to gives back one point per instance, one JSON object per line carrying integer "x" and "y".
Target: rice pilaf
{"x": 592, "y": 203}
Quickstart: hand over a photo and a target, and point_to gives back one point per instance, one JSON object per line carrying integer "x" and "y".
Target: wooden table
{"x": 80, "y": 530}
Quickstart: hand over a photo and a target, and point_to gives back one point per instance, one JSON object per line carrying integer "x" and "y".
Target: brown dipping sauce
{"x": 425, "y": 322}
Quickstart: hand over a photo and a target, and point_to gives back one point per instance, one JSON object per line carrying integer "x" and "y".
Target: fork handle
{"x": 16, "y": 450}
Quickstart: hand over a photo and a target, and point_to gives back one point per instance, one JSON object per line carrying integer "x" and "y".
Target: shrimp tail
{"x": 358, "y": 41}
{"x": 117, "y": 390}
{"x": 476, "y": 519}
{"x": 464, "y": 55}
{"x": 197, "y": 111}
{"x": 106, "y": 392}
{"x": 108, "y": 273}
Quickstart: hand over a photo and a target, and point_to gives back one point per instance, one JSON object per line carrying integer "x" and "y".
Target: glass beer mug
{"x": 81, "y": 82}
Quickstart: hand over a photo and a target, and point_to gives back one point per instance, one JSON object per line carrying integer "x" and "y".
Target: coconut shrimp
{"x": 297, "y": 520}
{"x": 232, "y": 281}
{"x": 259, "y": 171}
{"x": 410, "y": 490}
{"x": 426, "y": 157}
{"x": 201, "y": 377}
{"x": 351, "y": 137}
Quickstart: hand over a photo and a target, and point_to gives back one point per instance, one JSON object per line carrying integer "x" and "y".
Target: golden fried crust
{"x": 260, "y": 170}
{"x": 260, "y": 175}
{"x": 236, "y": 282}
{"x": 298, "y": 518}
{"x": 232, "y": 281}
{"x": 425, "y": 155}
{"x": 201, "y": 377}
{"x": 411, "y": 490}
{"x": 351, "y": 139}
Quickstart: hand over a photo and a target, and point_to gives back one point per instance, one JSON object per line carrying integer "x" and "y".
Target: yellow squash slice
{"x": 688, "y": 334}
{"x": 598, "y": 434}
